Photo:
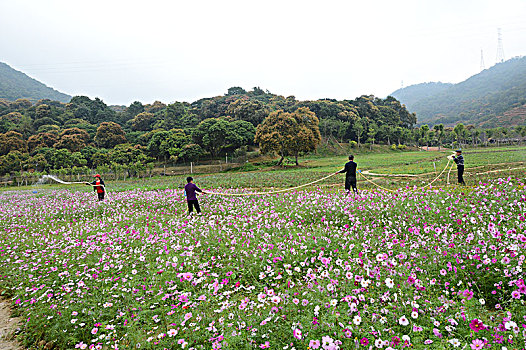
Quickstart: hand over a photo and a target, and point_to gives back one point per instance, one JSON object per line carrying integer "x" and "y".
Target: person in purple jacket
{"x": 189, "y": 190}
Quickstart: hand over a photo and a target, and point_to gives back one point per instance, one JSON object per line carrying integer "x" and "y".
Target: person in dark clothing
{"x": 459, "y": 159}
{"x": 189, "y": 190}
{"x": 350, "y": 175}
{"x": 98, "y": 186}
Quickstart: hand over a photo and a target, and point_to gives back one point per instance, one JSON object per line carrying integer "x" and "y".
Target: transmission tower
{"x": 482, "y": 66}
{"x": 500, "y": 49}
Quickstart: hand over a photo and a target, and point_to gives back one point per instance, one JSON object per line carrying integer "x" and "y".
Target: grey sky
{"x": 122, "y": 51}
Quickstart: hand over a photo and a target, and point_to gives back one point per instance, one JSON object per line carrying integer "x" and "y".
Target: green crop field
{"x": 428, "y": 164}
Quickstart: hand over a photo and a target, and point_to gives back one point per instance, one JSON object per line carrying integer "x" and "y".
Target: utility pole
{"x": 482, "y": 66}
{"x": 500, "y": 48}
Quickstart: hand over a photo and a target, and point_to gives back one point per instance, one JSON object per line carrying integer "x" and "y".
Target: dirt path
{"x": 8, "y": 325}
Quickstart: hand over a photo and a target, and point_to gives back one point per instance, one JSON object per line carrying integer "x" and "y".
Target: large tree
{"x": 44, "y": 139}
{"x": 289, "y": 134}
{"x": 168, "y": 144}
{"x": 213, "y": 134}
{"x": 109, "y": 134}
{"x": 73, "y": 143}
{"x": 143, "y": 121}
{"x": 251, "y": 111}
{"x": 12, "y": 141}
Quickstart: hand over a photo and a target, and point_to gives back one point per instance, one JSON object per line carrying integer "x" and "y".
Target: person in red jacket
{"x": 98, "y": 186}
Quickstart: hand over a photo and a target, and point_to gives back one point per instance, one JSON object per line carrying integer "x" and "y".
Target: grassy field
{"x": 428, "y": 164}
{"x": 435, "y": 268}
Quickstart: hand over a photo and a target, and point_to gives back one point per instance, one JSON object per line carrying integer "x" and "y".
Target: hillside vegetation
{"x": 15, "y": 85}
{"x": 410, "y": 95}
{"x": 482, "y": 100}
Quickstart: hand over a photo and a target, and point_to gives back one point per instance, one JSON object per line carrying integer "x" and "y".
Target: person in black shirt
{"x": 350, "y": 175}
{"x": 459, "y": 159}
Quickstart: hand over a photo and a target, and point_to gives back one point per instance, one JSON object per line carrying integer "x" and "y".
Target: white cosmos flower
{"x": 414, "y": 314}
{"x": 389, "y": 283}
{"x": 357, "y": 320}
{"x": 510, "y": 325}
{"x": 275, "y": 299}
{"x": 403, "y": 321}
{"x": 353, "y": 307}
{"x": 455, "y": 342}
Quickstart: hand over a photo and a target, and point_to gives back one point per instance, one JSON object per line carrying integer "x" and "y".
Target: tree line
{"x": 86, "y": 133}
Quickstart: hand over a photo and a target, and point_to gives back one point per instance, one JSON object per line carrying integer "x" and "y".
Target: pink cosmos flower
{"x": 477, "y": 344}
{"x": 468, "y": 294}
{"x": 314, "y": 344}
{"x": 476, "y": 325}
{"x": 297, "y": 333}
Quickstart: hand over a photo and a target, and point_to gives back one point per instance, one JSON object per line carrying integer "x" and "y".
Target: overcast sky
{"x": 123, "y": 51}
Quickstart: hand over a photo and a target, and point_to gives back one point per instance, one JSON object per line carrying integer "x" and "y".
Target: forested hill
{"x": 482, "y": 100}
{"x": 414, "y": 93}
{"x": 15, "y": 85}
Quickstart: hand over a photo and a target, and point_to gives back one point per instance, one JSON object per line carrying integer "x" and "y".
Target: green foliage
{"x": 62, "y": 158}
{"x": 191, "y": 152}
{"x": 134, "y": 109}
{"x": 143, "y": 122}
{"x": 217, "y": 134}
{"x": 126, "y": 154}
{"x": 168, "y": 144}
{"x": 94, "y": 111}
{"x": 11, "y": 161}
{"x": 176, "y": 116}
{"x": 252, "y": 111}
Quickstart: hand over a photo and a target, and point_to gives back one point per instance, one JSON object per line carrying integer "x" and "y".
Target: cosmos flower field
{"x": 312, "y": 269}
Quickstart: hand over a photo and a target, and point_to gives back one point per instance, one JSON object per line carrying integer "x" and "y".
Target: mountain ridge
{"x": 481, "y": 100}
{"x": 15, "y": 85}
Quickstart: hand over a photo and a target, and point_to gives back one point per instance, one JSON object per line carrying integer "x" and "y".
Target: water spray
{"x": 44, "y": 179}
